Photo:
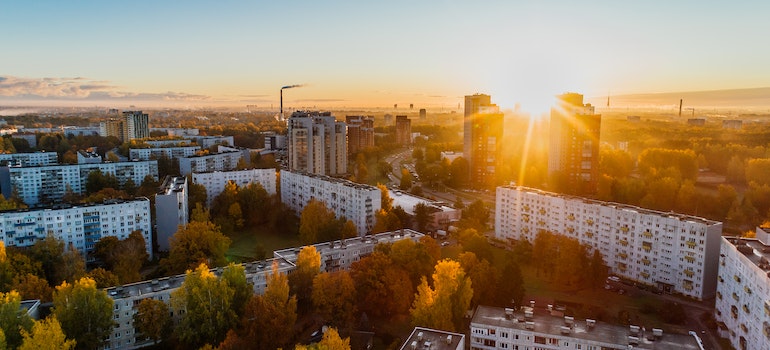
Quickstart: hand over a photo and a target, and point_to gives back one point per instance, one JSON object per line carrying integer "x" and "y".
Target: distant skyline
{"x": 352, "y": 53}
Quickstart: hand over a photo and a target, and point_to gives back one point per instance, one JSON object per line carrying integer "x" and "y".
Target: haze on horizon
{"x": 187, "y": 53}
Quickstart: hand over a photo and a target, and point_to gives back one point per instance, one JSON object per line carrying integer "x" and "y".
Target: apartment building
{"x": 673, "y": 252}
{"x": 49, "y": 183}
{"x": 742, "y": 307}
{"x": 317, "y": 143}
{"x": 215, "y": 181}
{"x": 29, "y": 159}
{"x": 158, "y": 152}
{"x": 223, "y": 161}
{"x": 81, "y": 225}
{"x": 171, "y": 209}
{"x": 434, "y": 339}
{"x": 536, "y": 329}
{"x": 353, "y": 201}
{"x": 334, "y": 256}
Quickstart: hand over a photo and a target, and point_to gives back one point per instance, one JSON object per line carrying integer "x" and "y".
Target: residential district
{"x": 169, "y": 187}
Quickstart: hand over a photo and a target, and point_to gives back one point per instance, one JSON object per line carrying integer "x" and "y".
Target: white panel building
{"x": 535, "y": 329}
{"x": 49, "y": 183}
{"x": 29, "y": 159}
{"x": 215, "y": 181}
{"x": 171, "y": 209}
{"x": 158, "y": 152}
{"x": 742, "y": 308}
{"x": 81, "y": 226}
{"x": 353, "y": 201}
{"x": 210, "y": 162}
{"x": 676, "y": 253}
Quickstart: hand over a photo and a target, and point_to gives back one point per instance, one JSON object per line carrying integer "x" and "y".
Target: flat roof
{"x": 408, "y": 201}
{"x": 670, "y": 214}
{"x": 290, "y": 254}
{"x": 544, "y": 323}
{"x": 754, "y": 250}
{"x": 433, "y": 339}
{"x": 333, "y": 179}
{"x": 62, "y": 206}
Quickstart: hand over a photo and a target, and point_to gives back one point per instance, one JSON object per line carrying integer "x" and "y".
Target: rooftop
{"x": 540, "y": 321}
{"x": 60, "y": 206}
{"x": 214, "y": 154}
{"x": 290, "y": 254}
{"x": 754, "y": 250}
{"x": 172, "y": 184}
{"x": 671, "y": 214}
{"x": 433, "y": 339}
{"x": 333, "y": 180}
{"x": 408, "y": 201}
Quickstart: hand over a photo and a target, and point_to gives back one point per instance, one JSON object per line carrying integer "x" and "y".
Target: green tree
{"x": 444, "y": 305}
{"x": 458, "y": 173}
{"x": 315, "y": 221}
{"x": 152, "y": 319}
{"x": 208, "y": 308}
{"x": 46, "y": 334}
{"x": 196, "y": 194}
{"x": 423, "y": 217}
{"x": 301, "y": 280}
{"x": 13, "y": 319}
{"x": 334, "y": 297}
{"x": 234, "y": 275}
{"x": 84, "y": 311}
{"x": 123, "y": 257}
{"x": 48, "y": 252}
{"x": 476, "y": 216}
{"x": 198, "y": 242}
{"x": 597, "y": 270}
{"x": 510, "y": 285}
{"x": 484, "y": 277}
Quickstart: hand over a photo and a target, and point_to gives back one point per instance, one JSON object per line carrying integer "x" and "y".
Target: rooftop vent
{"x": 419, "y": 336}
{"x": 633, "y": 340}
{"x": 414, "y": 345}
{"x": 508, "y": 313}
{"x": 529, "y": 325}
{"x": 591, "y": 323}
{"x": 657, "y": 332}
{"x": 449, "y": 339}
{"x": 565, "y": 330}
{"x": 569, "y": 320}
{"x": 528, "y": 314}
{"x": 633, "y": 329}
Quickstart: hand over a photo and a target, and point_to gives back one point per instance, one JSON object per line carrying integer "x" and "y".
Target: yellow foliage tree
{"x": 443, "y": 306}
{"x": 46, "y": 334}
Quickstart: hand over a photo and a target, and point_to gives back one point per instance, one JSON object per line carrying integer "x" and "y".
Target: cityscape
{"x": 434, "y": 175}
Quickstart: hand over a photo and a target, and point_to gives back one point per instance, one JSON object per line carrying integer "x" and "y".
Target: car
{"x": 444, "y": 244}
{"x": 613, "y": 278}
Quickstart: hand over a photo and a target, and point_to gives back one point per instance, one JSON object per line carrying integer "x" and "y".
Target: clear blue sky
{"x": 359, "y": 53}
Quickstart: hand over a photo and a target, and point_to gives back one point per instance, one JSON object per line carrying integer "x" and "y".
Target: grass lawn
{"x": 244, "y": 245}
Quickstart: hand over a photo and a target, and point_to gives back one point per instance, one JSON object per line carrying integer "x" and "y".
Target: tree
{"x": 301, "y": 280}
{"x": 123, "y": 257}
{"x": 443, "y": 306}
{"x": 13, "y": 319}
{"x": 207, "y": 303}
{"x": 510, "y": 286}
{"x": 198, "y": 242}
{"x": 476, "y": 216}
{"x": 32, "y": 287}
{"x": 334, "y": 298}
{"x": 234, "y": 275}
{"x": 349, "y": 230}
{"x": 73, "y": 265}
{"x": 406, "y": 180}
{"x": 152, "y": 319}
{"x": 196, "y": 194}
{"x": 84, "y": 311}
{"x": 381, "y": 286}
{"x": 414, "y": 258}
{"x": 331, "y": 341}
{"x": 103, "y": 278}
{"x": 423, "y": 217}
{"x": 97, "y": 181}
{"x": 597, "y": 270}
{"x": 46, "y": 334}
{"x": 484, "y": 277}
{"x": 48, "y": 251}
{"x": 316, "y": 219}
{"x": 268, "y": 322}
{"x": 386, "y": 202}
{"x": 458, "y": 173}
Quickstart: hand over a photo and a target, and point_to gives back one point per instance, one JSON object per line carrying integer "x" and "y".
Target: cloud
{"x": 80, "y": 88}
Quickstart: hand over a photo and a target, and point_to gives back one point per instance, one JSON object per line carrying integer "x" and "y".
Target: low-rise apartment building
{"x": 215, "y": 181}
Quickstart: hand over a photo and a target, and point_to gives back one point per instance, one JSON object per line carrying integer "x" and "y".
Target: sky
{"x": 375, "y": 53}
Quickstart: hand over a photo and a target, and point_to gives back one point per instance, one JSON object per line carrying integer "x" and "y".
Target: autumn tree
{"x": 301, "y": 280}
{"x": 443, "y": 305}
{"x": 198, "y": 242}
{"x": 510, "y": 288}
{"x": 123, "y": 257}
{"x": 406, "y": 180}
{"x": 207, "y": 302}
{"x": 334, "y": 298}
{"x": 73, "y": 265}
{"x": 103, "y": 278}
{"x": 196, "y": 194}
{"x": 315, "y": 222}
{"x": 331, "y": 341}
{"x": 412, "y": 257}
{"x": 234, "y": 275}
{"x": 48, "y": 252}
{"x": 97, "y": 181}
{"x": 349, "y": 230}
{"x": 46, "y": 334}
{"x": 31, "y": 286}
{"x": 382, "y": 288}
{"x": 13, "y": 319}
{"x": 152, "y": 319}
{"x": 85, "y": 312}
{"x": 386, "y": 202}
{"x": 484, "y": 277}
{"x": 423, "y": 217}
{"x": 475, "y": 216}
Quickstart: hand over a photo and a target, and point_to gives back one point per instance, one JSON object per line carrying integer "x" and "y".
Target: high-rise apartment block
{"x": 49, "y": 183}
{"x": 482, "y": 139}
{"x": 317, "y": 144}
{"x": 347, "y": 199}
{"x": 673, "y": 252}
{"x": 403, "y": 130}
{"x": 215, "y": 181}
{"x": 742, "y": 308}
{"x": 360, "y": 133}
{"x": 133, "y": 125}
{"x": 573, "y": 156}
{"x": 81, "y": 225}
{"x": 171, "y": 209}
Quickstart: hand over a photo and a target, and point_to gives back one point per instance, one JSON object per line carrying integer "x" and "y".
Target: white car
{"x": 613, "y": 278}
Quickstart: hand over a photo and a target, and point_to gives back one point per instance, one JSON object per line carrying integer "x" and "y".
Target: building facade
{"x": 82, "y": 225}
{"x": 317, "y": 144}
{"x": 29, "y": 159}
{"x": 158, "y": 152}
{"x": 742, "y": 307}
{"x": 208, "y": 141}
{"x": 403, "y": 130}
{"x": 536, "y": 329}
{"x": 353, "y": 201}
{"x": 171, "y": 209}
{"x": 224, "y": 161}
{"x": 673, "y": 252}
{"x": 482, "y": 139}
{"x": 573, "y": 154}
{"x": 136, "y": 125}
{"x": 48, "y": 184}
{"x": 360, "y": 133}
{"x": 215, "y": 181}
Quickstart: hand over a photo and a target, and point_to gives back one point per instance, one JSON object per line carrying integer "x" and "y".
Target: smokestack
{"x": 680, "y": 107}
{"x": 280, "y": 115}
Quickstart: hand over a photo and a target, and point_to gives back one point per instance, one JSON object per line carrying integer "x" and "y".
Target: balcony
{"x": 624, "y": 229}
{"x": 647, "y": 234}
{"x": 589, "y": 222}
{"x": 737, "y": 278}
{"x": 645, "y": 275}
{"x": 646, "y": 261}
{"x": 735, "y": 297}
{"x": 541, "y": 211}
{"x": 690, "y": 259}
{"x": 589, "y": 234}
{"x": 691, "y": 244}
{"x": 570, "y": 229}
{"x": 689, "y": 273}
{"x": 623, "y": 242}
{"x": 622, "y": 256}
{"x": 647, "y": 246}
{"x": 571, "y": 217}
{"x": 746, "y": 309}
